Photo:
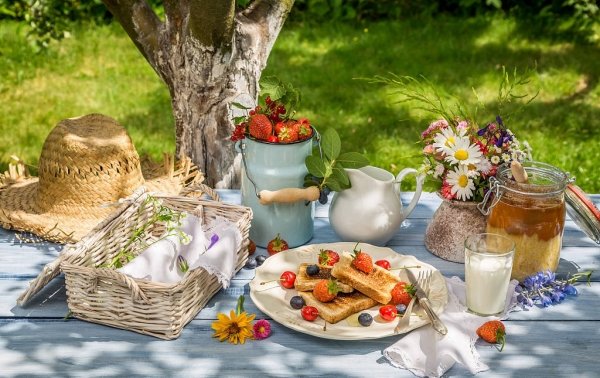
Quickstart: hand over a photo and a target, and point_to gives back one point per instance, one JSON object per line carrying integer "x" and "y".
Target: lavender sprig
{"x": 543, "y": 288}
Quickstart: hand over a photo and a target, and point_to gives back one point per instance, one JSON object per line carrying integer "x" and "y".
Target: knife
{"x": 424, "y": 302}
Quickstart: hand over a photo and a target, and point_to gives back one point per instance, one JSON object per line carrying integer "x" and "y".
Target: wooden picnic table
{"x": 561, "y": 340}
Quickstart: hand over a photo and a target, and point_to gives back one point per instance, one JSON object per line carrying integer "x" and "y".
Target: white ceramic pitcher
{"x": 371, "y": 210}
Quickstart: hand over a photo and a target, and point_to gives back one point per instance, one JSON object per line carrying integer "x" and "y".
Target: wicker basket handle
{"x": 200, "y": 189}
{"x": 136, "y": 292}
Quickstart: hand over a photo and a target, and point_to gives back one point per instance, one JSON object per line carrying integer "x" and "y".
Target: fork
{"x": 423, "y": 280}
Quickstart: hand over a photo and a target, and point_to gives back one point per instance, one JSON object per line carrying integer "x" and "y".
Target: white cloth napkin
{"x": 426, "y": 353}
{"x": 220, "y": 259}
{"x": 213, "y": 249}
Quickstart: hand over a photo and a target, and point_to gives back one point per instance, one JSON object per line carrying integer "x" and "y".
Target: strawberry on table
{"x": 326, "y": 290}
{"x": 251, "y": 247}
{"x": 277, "y": 245}
{"x": 362, "y": 261}
{"x": 328, "y": 257}
{"x": 260, "y": 127}
{"x": 493, "y": 332}
{"x": 402, "y": 293}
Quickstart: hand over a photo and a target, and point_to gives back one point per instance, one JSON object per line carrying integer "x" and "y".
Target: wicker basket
{"x": 106, "y": 296}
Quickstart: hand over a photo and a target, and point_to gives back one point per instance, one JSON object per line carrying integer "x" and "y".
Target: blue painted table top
{"x": 562, "y": 340}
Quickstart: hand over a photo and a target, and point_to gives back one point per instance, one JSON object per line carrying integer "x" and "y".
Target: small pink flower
{"x": 446, "y": 191}
{"x": 429, "y": 150}
{"x": 262, "y": 329}
{"x": 462, "y": 125}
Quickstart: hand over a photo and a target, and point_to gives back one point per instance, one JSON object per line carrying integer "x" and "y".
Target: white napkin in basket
{"x": 424, "y": 352}
{"x": 220, "y": 259}
{"x": 158, "y": 263}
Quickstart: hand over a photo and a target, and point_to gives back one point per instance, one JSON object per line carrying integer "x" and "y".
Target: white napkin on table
{"x": 158, "y": 262}
{"x": 426, "y": 353}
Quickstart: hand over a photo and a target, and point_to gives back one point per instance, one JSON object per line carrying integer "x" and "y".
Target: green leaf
{"x": 239, "y": 106}
{"x": 315, "y": 166}
{"x": 340, "y": 175}
{"x": 352, "y": 160}
{"x": 238, "y": 120}
{"x": 334, "y": 185}
{"x": 331, "y": 144}
{"x": 273, "y": 87}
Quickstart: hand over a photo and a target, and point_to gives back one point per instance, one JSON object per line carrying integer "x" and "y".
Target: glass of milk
{"x": 488, "y": 264}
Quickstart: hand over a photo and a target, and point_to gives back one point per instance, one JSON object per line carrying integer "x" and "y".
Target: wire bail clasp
{"x": 495, "y": 189}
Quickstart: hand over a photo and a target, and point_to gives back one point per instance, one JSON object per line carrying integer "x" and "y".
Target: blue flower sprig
{"x": 543, "y": 288}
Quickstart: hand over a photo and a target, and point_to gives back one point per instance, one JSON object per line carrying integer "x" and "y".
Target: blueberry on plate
{"x": 312, "y": 270}
{"x": 297, "y": 302}
{"x": 401, "y": 308}
{"x": 260, "y": 259}
{"x": 365, "y": 319}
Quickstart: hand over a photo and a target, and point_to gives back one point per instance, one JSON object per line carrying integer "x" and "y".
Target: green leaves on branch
{"x": 279, "y": 91}
{"x": 326, "y": 166}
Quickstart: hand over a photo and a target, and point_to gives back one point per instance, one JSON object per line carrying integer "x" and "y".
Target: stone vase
{"x": 450, "y": 225}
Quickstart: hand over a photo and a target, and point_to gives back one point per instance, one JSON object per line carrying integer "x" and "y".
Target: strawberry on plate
{"x": 328, "y": 257}
{"x": 326, "y": 290}
{"x": 277, "y": 245}
{"x": 402, "y": 293}
{"x": 362, "y": 261}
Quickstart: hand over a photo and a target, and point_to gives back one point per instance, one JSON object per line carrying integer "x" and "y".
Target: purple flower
{"x": 262, "y": 329}
{"x": 570, "y": 290}
{"x": 213, "y": 239}
{"x": 546, "y": 300}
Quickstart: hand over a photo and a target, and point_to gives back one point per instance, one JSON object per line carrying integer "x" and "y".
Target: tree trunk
{"x": 208, "y": 56}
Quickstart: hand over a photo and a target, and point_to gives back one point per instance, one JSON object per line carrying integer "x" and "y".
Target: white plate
{"x": 274, "y": 300}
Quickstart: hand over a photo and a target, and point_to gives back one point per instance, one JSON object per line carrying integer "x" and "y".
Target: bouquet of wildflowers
{"x": 462, "y": 156}
{"x": 459, "y": 154}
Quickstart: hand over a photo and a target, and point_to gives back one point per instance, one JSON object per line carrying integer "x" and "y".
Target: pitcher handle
{"x": 420, "y": 179}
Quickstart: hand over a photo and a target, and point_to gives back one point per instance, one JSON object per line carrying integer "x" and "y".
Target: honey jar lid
{"x": 583, "y": 211}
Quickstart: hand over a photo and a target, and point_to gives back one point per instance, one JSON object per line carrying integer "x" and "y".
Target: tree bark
{"x": 208, "y": 56}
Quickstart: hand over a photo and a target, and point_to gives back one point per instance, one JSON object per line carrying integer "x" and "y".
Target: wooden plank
{"x": 75, "y": 348}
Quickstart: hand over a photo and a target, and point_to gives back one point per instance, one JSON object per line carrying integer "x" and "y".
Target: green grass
{"x": 99, "y": 70}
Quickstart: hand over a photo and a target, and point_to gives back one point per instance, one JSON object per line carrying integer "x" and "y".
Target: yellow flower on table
{"x": 235, "y": 328}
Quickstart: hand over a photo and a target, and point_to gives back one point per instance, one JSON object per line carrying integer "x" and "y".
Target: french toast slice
{"x": 304, "y": 282}
{"x": 344, "y": 305}
{"x": 377, "y": 285}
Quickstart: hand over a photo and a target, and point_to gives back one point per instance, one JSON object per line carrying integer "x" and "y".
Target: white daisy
{"x": 447, "y": 138}
{"x": 484, "y": 166}
{"x": 495, "y": 160}
{"x": 463, "y": 153}
{"x": 506, "y": 157}
{"x": 462, "y": 185}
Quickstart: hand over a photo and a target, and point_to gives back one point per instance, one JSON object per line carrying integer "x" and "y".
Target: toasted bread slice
{"x": 304, "y": 282}
{"x": 344, "y": 305}
{"x": 377, "y": 285}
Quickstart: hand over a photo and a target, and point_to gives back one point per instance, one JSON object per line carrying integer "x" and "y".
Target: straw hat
{"x": 87, "y": 164}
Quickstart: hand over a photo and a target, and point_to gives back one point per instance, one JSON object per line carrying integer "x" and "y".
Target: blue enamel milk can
{"x": 272, "y": 186}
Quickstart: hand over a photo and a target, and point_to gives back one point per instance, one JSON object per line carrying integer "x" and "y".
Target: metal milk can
{"x": 272, "y": 186}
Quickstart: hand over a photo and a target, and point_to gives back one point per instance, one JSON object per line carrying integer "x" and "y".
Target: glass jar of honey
{"x": 532, "y": 214}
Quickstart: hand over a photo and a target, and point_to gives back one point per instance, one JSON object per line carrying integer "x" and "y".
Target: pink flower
{"x": 446, "y": 191}
{"x": 429, "y": 150}
{"x": 462, "y": 125}
{"x": 434, "y": 126}
{"x": 262, "y": 329}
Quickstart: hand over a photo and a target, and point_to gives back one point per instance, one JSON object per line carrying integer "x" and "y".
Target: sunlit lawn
{"x": 99, "y": 70}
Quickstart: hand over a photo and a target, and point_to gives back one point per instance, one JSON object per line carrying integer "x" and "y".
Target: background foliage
{"x": 458, "y": 48}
